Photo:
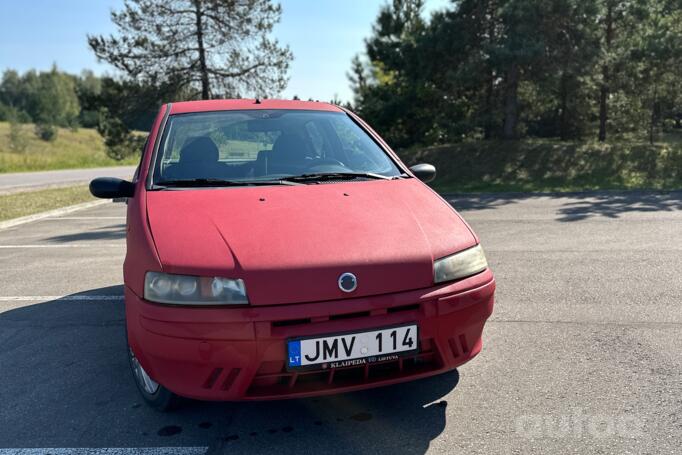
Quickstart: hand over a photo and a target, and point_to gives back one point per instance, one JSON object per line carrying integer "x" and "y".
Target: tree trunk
{"x": 488, "y": 120}
{"x": 606, "y": 76}
{"x": 511, "y": 105}
{"x": 603, "y": 105}
{"x": 654, "y": 116}
{"x": 563, "y": 116}
{"x": 205, "y": 89}
{"x": 491, "y": 12}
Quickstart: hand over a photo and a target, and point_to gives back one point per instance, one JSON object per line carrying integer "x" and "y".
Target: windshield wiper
{"x": 209, "y": 182}
{"x": 323, "y": 176}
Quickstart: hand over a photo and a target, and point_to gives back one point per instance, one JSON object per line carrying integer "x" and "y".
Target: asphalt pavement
{"x": 582, "y": 353}
{"x": 21, "y": 181}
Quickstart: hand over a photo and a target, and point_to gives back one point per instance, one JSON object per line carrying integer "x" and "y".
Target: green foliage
{"x": 213, "y": 48}
{"x": 18, "y": 141}
{"x": 46, "y": 131}
{"x": 120, "y": 142}
{"x": 553, "y": 165}
{"x": 56, "y": 102}
{"x": 49, "y": 99}
{"x": 388, "y": 85}
{"x": 521, "y": 68}
{"x": 55, "y": 99}
{"x": 11, "y": 114}
{"x": 71, "y": 149}
{"x": 4, "y": 112}
{"x": 126, "y": 106}
{"x": 89, "y": 91}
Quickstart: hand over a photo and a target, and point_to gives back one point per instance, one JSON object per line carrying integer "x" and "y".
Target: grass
{"x": 25, "y": 203}
{"x": 552, "y": 165}
{"x": 81, "y": 148}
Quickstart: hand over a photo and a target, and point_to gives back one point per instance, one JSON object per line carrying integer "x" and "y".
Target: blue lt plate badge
{"x": 295, "y": 353}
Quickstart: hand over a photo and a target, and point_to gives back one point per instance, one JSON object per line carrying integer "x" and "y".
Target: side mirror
{"x": 424, "y": 172}
{"x": 111, "y": 188}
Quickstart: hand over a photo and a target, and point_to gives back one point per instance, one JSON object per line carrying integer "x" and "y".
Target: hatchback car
{"x": 280, "y": 249}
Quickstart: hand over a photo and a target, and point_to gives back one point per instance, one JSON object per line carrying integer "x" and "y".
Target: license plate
{"x": 352, "y": 348}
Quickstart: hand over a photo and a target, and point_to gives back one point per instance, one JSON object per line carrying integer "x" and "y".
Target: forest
{"x": 476, "y": 70}
{"x": 568, "y": 69}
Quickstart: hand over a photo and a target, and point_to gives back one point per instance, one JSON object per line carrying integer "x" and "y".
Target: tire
{"x": 154, "y": 394}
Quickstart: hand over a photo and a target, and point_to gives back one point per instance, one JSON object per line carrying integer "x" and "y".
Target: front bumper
{"x": 239, "y": 353}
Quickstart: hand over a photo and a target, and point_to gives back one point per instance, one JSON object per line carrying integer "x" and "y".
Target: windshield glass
{"x": 266, "y": 145}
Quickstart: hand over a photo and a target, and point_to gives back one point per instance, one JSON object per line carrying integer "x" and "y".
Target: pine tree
{"x": 219, "y": 48}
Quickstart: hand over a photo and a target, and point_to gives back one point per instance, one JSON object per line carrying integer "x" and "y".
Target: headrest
{"x": 199, "y": 148}
{"x": 289, "y": 147}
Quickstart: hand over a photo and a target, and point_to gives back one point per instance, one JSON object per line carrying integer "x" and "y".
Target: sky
{"x": 323, "y": 35}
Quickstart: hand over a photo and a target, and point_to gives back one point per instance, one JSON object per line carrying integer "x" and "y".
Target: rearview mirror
{"x": 424, "y": 172}
{"x": 111, "y": 188}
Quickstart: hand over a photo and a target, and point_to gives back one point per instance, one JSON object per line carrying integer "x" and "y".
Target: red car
{"x": 280, "y": 249}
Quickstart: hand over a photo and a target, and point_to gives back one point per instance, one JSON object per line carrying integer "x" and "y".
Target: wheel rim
{"x": 147, "y": 383}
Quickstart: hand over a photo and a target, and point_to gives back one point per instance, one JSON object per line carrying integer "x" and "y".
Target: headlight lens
{"x": 193, "y": 290}
{"x": 460, "y": 265}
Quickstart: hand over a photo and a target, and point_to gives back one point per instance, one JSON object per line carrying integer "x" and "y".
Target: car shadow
{"x": 580, "y": 205}
{"x": 112, "y": 232}
{"x": 65, "y": 370}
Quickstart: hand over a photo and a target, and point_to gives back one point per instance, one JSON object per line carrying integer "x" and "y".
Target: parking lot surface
{"x": 583, "y": 353}
{"x": 22, "y": 181}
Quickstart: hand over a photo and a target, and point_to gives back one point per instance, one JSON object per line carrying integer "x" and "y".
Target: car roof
{"x": 185, "y": 107}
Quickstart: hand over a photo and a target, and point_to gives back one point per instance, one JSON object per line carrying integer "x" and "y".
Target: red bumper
{"x": 239, "y": 354}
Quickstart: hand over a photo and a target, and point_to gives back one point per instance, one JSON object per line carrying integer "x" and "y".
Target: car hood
{"x": 291, "y": 243}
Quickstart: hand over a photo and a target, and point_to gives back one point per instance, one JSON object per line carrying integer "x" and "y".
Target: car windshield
{"x": 267, "y": 146}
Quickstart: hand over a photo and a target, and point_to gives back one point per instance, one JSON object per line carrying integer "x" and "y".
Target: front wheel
{"x": 156, "y": 395}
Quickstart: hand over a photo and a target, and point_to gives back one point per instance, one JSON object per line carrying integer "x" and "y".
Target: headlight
{"x": 460, "y": 265}
{"x": 193, "y": 290}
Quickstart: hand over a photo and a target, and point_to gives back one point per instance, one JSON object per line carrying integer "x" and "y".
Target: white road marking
{"x": 108, "y": 451}
{"x": 50, "y": 213}
{"x": 85, "y": 218}
{"x": 30, "y": 298}
{"x": 67, "y": 245}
